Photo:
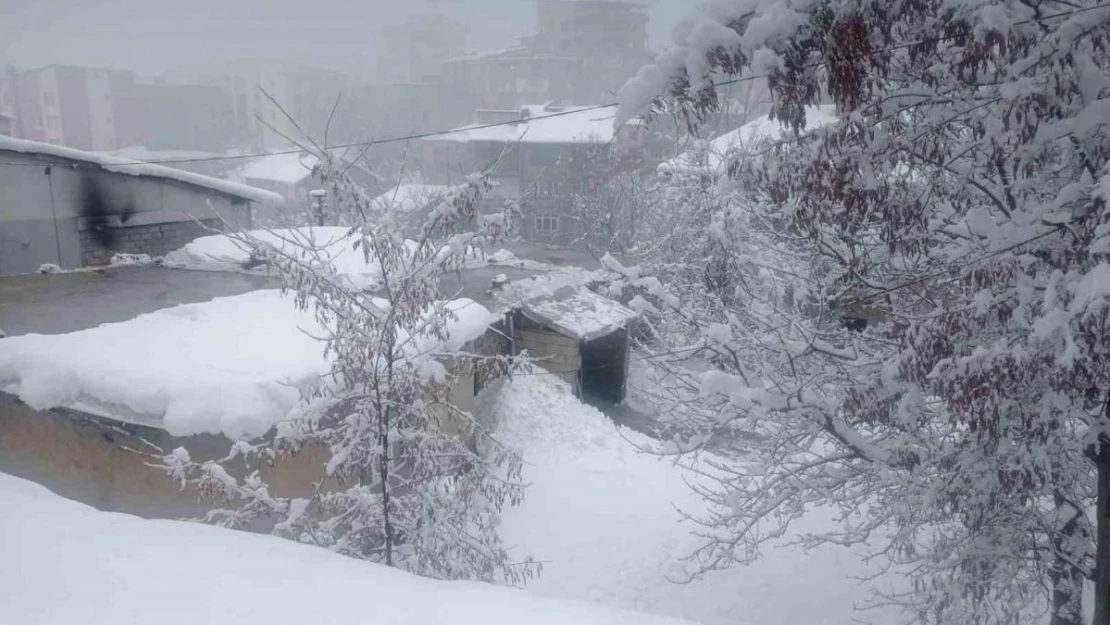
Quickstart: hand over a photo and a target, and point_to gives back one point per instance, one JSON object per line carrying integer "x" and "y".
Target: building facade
{"x": 78, "y": 107}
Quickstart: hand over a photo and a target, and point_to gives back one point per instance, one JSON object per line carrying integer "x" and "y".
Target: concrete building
{"x": 78, "y": 107}
{"x": 72, "y": 208}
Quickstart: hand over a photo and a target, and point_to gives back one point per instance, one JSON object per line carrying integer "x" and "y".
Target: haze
{"x": 337, "y": 34}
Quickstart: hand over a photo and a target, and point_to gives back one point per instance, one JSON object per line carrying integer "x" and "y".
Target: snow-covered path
{"x": 602, "y": 516}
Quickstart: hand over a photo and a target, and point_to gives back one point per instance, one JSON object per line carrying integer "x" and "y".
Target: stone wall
{"x": 153, "y": 239}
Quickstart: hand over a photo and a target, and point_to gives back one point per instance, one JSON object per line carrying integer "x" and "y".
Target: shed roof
{"x": 579, "y": 313}
{"x": 130, "y": 167}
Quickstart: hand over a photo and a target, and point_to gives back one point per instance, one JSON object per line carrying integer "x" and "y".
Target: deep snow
{"x": 68, "y": 563}
{"x": 602, "y": 516}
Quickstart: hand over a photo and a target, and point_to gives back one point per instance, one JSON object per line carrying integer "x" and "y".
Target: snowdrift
{"x": 69, "y": 563}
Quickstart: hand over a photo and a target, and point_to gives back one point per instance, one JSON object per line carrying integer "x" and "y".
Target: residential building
{"x": 270, "y": 99}
{"x": 539, "y": 153}
{"x": 78, "y": 107}
{"x": 72, "y": 208}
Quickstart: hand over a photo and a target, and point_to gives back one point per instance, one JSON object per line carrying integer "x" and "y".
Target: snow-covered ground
{"x": 68, "y": 563}
{"x": 232, "y": 365}
{"x": 602, "y": 516}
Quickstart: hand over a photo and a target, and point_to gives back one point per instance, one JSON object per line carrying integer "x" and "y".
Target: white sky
{"x": 151, "y": 35}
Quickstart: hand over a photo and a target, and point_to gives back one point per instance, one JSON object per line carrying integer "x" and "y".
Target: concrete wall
{"x": 104, "y": 464}
{"x": 44, "y": 209}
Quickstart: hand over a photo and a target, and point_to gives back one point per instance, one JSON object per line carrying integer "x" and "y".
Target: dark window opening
{"x": 603, "y": 369}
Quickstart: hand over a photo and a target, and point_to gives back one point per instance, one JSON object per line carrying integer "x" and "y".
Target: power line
{"x": 440, "y": 133}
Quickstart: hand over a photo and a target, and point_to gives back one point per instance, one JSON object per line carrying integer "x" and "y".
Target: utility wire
{"x": 440, "y": 133}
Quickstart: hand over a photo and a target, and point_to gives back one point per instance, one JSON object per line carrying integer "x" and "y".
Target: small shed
{"x": 581, "y": 336}
{"x": 74, "y": 208}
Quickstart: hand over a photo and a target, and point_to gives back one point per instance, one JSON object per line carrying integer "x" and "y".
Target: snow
{"x": 288, "y": 168}
{"x": 80, "y": 565}
{"x": 579, "y": 313}
{"x": 141, "y": 153}
{"x": 232, "y": 365}
{"x": 137, "y": 168}
{"x": 223, "y": 252}
{"x": 602, "y": 517}
{"x": 572, "y": 125}
{"x": 760, "y": 130}
{"x": 410, "y": 196}
{"x": 229, "y": 365}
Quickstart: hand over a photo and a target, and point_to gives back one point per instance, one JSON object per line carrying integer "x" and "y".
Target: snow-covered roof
{"x": 130, "y": 167}
{"x": 290, "y": 168}
{"x": 81, "y": 565}
{"x": 586, "y": 125}
{"x": 408, "y": 196}
{"x": 578, "y": 312}
{"x": 232, "y": 365}
{"x": 712, "y": 155}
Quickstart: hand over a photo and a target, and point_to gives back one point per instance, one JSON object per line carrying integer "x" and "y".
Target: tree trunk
{"x": 1067, "y": 581}
{"x": 1102, "y": 543}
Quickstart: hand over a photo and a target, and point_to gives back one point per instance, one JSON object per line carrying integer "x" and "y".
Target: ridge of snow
{"x": 81, "y": 565}
{"x": 225, "y": 252}
{"x": 130, "y": 167}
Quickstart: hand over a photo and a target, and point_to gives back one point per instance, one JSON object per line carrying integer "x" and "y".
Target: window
{"x": 547, "y": 224}
{"x": 49, "y": 99}
{"x": 53, "y": 124}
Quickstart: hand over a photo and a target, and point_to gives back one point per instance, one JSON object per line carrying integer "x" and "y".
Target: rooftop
{"x": 131, "y": 167}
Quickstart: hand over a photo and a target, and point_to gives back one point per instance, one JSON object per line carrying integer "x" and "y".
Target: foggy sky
{"x": 153, "y": 35}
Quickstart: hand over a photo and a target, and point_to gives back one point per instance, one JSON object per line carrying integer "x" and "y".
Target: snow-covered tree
{"x": 407, "y": 478}
{"x": 960, "y": 206}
